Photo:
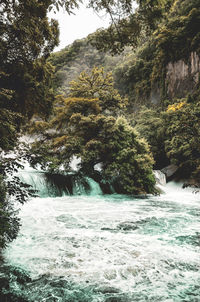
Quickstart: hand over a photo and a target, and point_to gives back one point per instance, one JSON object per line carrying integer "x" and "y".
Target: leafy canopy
{"x": 82, "y": 127}
{"x": 100, "y": 85}
{"x": 26, "y": 39}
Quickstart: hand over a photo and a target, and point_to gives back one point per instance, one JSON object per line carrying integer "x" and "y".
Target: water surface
{"x": 106, "y": 249}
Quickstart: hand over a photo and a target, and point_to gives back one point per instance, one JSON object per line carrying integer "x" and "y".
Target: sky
{"x": 84, "y": 22}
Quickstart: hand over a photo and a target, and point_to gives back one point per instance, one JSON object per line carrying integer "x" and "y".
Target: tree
{"x": 130, "y": 26}
{"x": 100, "y": 85}
{"x": 182, "y": 142}
{"x": 125, "y": 159}
{"x": 173, "y": 135}
{"x": 81, "y": 127}
{"x": 26, "y": 40}
{"x": 150, "y": 124}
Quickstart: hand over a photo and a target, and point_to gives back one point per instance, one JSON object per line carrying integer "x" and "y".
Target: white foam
{"x": 81, "y": 238}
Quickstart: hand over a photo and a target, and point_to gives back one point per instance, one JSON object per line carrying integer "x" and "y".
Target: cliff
{"x": 182, "y": 77}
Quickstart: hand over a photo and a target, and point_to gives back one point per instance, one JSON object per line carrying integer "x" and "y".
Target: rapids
{"x": 106, "y": 248}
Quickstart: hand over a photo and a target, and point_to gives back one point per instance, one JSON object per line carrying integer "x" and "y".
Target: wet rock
{"x": 169, "y": 170}
{"x": 127, "y": 226}
{"x": 107, "y": 229}
{"x": 107, "y": 290}
{"x": 117, "y": 299}
{"x": 193, "y": 183}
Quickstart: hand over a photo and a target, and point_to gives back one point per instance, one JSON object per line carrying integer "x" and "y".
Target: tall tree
{"x": 86, "y": 125}
{"x": 130, "y": 24}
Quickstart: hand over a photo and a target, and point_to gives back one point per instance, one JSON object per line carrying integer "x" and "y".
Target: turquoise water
{"x": 106, "y": 249}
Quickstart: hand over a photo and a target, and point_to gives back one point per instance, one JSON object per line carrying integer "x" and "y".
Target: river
{"x": 106, "y": 248}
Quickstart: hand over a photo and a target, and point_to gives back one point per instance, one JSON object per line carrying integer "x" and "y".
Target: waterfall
{"x": 105, "y": 248}
{"x": 49, "y": 185}
{"x": 37, "y": 181}
{"x": 95, "y": 188}
{"x": 160, "y": 180}
{"x": 85, "y": 248}
{"x": 160, "y": 177}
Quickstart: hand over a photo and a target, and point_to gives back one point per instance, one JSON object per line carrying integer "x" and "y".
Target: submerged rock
{"x": 127, "y": 226}
{"x": 118, "y": 299}
{"x": 107, "y": 290}
{"x": 193, "y": 183}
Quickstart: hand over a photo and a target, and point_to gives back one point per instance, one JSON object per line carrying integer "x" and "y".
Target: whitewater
{"x": 106, "y": 248}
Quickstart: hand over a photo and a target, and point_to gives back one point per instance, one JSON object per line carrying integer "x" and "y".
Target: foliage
{"x": 25, "y": 43}
{"x": 100, "y": 85}
{"x": 133, "y": 75}
{"x": 82, "y": 127}
{"x": 175, "y": 106}
{"x": 73, "y": 59}
{"x": 9, "y": 223}
{"x": 176, "y": 38}
{"x": 124, "y": 158}
{"x": 182, "y": 142}
{"x": 163, "y": 31}
{"x": 9, "y": 122}
{"x": 11, "y": 190}
{"x": 173, "y": 135}
{"x": 150, "y": 124}
{"x": 179, "y": 35}
{"x": 26, "y": 39}
{"x": 68, "y": 107}
{"x": 167, "y": 31}
{"x": 130, "y": 24}
{"x": 116, "y": 37}
{"x": 97, "y": 139}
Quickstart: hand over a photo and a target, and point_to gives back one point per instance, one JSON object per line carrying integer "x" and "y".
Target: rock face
{"x": 182, "y": 77}
{"x": 194, "y": 183}
{"x": 169, "y": 170}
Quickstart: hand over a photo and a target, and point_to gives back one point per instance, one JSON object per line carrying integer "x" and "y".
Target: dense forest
{"x": 125, "y": 98}
{"x": 158, "y": 75}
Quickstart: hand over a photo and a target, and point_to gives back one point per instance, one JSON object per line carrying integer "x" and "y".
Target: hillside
{"x": 165, "y": 65}
{"x": 77, "y": 57}
{"x": 161, "y": 73}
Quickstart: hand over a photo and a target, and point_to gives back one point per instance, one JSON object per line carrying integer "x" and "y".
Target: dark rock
{"x": 108, "y": 290}
{"x": 169, "y": 170}
{"x": 117, "y": 299}
{"x": 192, "y": 183}
{"x": 127, "y": 226}
{"x": 107, "y": 229}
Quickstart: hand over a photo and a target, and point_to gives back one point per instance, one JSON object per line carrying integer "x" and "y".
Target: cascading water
{"x": 106, "y": 249}
{"x": 59, "y": 185}
{"x": 160, "y": 177}
{"x": 160, "y": 181}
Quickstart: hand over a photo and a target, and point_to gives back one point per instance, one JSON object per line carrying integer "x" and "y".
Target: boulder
{"x": 169, "y": 170}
